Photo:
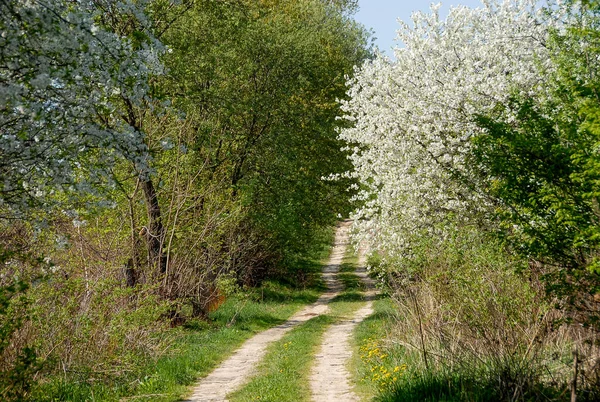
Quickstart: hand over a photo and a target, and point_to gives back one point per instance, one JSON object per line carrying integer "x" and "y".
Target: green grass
{"x": 284, "y": 371}
{"x": 351, "y": 298}
{"x": 194, "y": 352}
{"x": 351, "y": 282}
{"x": 367, "y": 338}
{"x": 195, "y": 349}
{"x": 474, "y": 384}
{"x": 374, "y": 358}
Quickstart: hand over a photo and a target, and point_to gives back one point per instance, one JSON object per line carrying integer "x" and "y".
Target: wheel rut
{"x": 330, "y": 379}
{"x": 238, "y": 369}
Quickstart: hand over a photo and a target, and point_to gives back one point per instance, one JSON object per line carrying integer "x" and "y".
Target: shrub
{"x": 473, "y": 318}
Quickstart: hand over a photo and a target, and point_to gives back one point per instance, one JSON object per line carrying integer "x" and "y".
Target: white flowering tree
{"x": 65, "y": 74}
{"x": 413, "y": 119}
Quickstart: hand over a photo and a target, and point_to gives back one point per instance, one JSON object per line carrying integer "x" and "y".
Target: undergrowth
{"x": 78, "y": 333}
{"x": 466, "y": 324}
{"x": 193, "y": 352}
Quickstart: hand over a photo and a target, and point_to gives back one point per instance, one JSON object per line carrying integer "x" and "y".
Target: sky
{"x": 381, "y": 15}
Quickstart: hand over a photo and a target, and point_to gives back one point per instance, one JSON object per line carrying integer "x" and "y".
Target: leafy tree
{"x": 258, "y": 82}
{"x": 541, "y": 166}
{"x": 63, "y": 78}
{"x": 67, "y": 77}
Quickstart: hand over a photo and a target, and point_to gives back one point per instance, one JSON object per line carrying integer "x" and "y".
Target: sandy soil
{"x": 330, "y": 379}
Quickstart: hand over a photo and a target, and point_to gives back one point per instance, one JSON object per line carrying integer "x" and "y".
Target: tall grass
{"x": 192, "y": 351}
{"x": 84, "y": 334}
{"x": 475, "y": 325}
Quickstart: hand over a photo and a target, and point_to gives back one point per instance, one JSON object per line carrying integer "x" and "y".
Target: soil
{"x": 237, "y": 370}
{"x": 330, "y": 378}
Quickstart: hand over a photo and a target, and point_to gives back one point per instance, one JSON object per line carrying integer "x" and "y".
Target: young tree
{"x": 538, "y": 161}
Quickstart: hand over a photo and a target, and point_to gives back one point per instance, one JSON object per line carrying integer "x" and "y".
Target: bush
{"x": 472, "y": 321}
{"x": 18, "y": 364}
{"x": 19, "y": 361}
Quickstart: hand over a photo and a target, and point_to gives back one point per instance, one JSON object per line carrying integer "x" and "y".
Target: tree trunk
{"x": 130, "y": 274}
{"x": 155, "y": 231}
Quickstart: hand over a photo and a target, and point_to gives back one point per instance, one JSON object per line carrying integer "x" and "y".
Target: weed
{"x": 374, "y": 358}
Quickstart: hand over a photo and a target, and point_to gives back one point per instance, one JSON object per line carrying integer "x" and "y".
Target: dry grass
{"x": 474, "y": 325}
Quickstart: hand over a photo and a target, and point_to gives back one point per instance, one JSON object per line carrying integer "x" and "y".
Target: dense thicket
{"x": 151, "y": 151}
{"x": 476, "y": 151}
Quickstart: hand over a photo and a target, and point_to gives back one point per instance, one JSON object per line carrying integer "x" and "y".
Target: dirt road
{"x": 239, "y": 368}
{"x": 330, "y": 379}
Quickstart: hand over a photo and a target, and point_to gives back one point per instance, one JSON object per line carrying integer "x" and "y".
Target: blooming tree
{"x": 64, "y": 76}
{"x": 413, "y": 118}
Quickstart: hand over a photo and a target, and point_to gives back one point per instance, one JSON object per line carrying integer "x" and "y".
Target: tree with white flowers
{"x": 65, "y": 75}
{"x": 414, "y": 118}
{"x": 487, "y": 121}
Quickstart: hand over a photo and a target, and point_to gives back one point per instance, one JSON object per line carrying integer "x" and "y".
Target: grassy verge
{"x": 387, "y": 372}
{"x": 374, "y": 367}
{"x": 194, "y": 351}
{"x": 476, "y": 384}
{"x": 285, "y": 370}
{"x": 197, "y": 348}
{"x": 470, "y": 327}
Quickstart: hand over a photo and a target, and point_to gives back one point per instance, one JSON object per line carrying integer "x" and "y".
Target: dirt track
{"x": 330, "y": 379}
{"x": 239, "y": 368}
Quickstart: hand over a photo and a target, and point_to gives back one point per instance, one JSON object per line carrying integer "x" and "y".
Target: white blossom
{"x": 412, "y": 120}
{"x": 62, "y": 79}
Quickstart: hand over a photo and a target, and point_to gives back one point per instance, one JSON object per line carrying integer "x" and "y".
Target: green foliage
{"x": 234, "y": 156}
{"x": 90, "y": 326}
{"x": 18, "y": 361}
{"x": 530, "y": 170}
{"x": 17, "y": 371}
{"x": 541, "y": 169}
{"x": 260, "y": 83}
{"x": 10, "y": 323}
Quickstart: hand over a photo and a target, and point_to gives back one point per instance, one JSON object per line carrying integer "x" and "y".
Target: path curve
{"x": 234, "y": 372}
{"x": 330, "y": 379}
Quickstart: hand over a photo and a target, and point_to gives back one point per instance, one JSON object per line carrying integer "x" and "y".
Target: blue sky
{"x": 381, "y": 15}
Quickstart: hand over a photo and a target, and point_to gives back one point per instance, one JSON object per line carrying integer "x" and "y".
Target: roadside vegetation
{"x": 195, "y": 348}
{"x": 160, "y": 159}
{"x": 373, "y": 356}
{"x": 476, "y": 153}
